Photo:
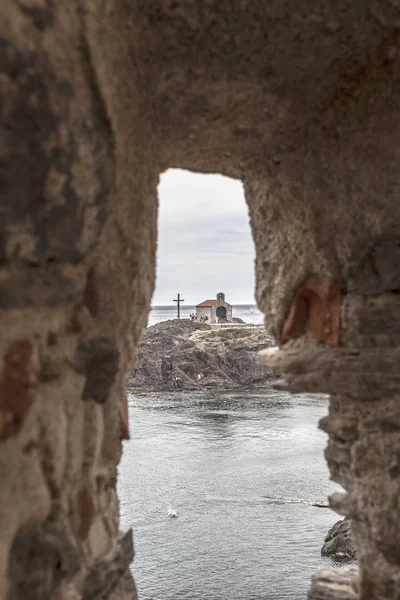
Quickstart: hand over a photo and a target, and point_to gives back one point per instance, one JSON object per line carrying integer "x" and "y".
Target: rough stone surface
{"x": 108, "y": 571}
{"x": 339, "y": 543}
{"x": 299, "y": 100}
{"x": 335, "y": 585}
{"x": 18, "y": 381}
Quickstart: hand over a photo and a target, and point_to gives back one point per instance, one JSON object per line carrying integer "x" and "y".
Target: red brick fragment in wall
{"x": 85, "y": 512}
{"x": 18, "y": 382}
{"x": 123, "y": 411}
{"x": 316, "y": 306}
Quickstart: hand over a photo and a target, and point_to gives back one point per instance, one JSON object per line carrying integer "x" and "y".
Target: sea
{"x": 242, "y": 471}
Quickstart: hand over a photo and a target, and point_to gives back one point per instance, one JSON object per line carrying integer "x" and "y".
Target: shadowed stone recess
{"x": 98, "y": 359}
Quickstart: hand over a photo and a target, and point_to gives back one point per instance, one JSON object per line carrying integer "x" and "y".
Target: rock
{"x": 109, "y": 570}
{"x": 202, "y": 356}
{"x": 335, "y": 585}
{"x": 339, "y": 542}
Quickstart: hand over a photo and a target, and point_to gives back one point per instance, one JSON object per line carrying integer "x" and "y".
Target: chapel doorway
{"x": 221, "y": 312}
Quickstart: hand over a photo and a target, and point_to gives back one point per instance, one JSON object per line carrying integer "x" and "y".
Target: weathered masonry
{"x": 216, "y": 310}
{"x": 299, "y": 100}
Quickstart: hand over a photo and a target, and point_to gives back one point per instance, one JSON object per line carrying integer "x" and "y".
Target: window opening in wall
{"x": 205, "y": 246}
{"x": 223, "y": 474}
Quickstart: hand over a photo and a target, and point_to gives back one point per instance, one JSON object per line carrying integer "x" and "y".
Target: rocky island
{"x": 201, "y": 356}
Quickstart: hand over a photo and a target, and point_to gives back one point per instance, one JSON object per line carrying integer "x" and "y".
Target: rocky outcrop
{"x": 339, "y": 543}
{"x": 201, "y": 356}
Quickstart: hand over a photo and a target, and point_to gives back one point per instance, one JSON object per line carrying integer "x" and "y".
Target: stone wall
{"x": 98, "y": 97}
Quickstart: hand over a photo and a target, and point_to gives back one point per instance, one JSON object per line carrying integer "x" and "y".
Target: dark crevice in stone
{"x": 92, "y": 293}
{"x": 98, "y": 359}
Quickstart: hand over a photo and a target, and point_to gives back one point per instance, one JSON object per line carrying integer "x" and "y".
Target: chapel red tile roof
{"x": 207, "y": 303}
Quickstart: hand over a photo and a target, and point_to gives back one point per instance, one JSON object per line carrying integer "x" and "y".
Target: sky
{"x": 204, "y": 240}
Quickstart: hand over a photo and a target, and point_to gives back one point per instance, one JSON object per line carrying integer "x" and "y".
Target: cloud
{"x": 204, "y": 244}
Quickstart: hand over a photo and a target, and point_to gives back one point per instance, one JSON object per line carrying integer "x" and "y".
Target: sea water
{"x": 242, "y": 472}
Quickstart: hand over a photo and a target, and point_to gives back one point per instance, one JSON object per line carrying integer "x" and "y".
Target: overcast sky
{"x": 204, "y": 243}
